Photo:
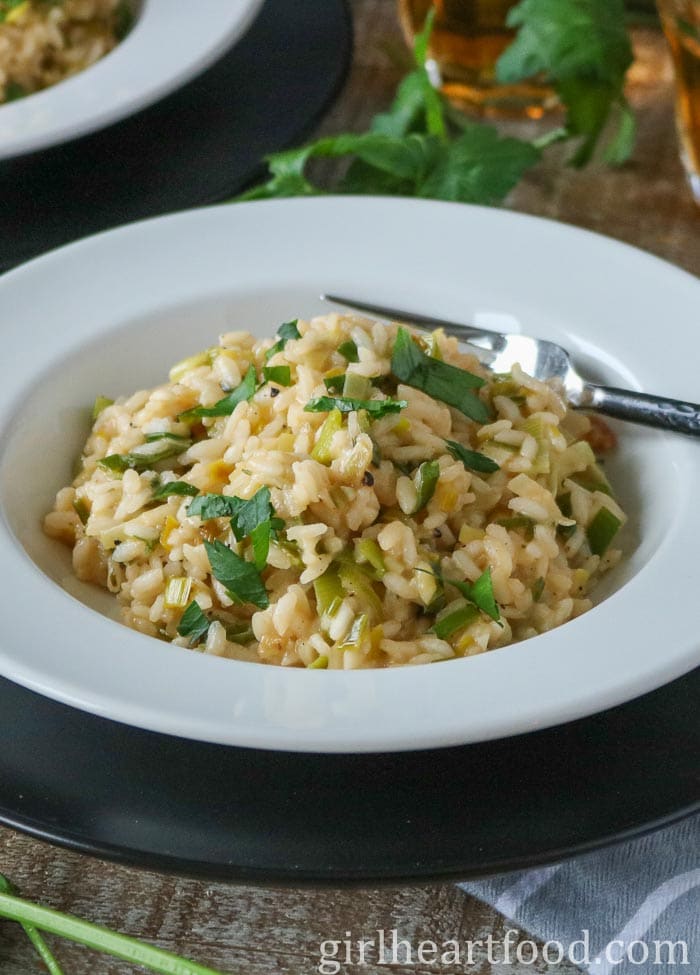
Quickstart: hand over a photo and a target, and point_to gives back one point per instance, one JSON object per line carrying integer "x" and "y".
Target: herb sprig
{"x": 35, "y": 918}
{"x": 423, "y": 147}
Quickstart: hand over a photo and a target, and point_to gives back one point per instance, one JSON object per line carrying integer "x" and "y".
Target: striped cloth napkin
{"x": 622, "y": 903}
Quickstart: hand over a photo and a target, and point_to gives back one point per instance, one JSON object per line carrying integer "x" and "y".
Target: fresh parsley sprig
{"x": 582, "y": 47}
{"x": 423, "y": 147}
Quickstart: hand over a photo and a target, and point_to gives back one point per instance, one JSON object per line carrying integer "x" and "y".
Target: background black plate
{"x": 269, "y": 817}
{"x": 202, "y": 144}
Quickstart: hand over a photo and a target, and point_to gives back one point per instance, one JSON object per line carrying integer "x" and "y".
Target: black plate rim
{"x": 263, "y": 877}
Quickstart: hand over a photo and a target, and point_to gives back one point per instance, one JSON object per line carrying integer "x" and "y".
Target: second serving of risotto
{"x": 44, "y": 41}
{"x": 349, "y": 494}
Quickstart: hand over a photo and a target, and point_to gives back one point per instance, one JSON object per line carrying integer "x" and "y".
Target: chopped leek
{"x": 329, "y": 592}
{"x": 359, "y": 631}
{"x": 602, "y": 530}
{"x": 518, "y": 523}
{"x": 537, "y": 589}
{"x": 322, "y": 448}
{"x": 177, "y": 592}
{"x": 443, "y": 382}
{"x": 537, "y": 429}
{"x": 101, "y": 403}
{"x": 368, "y": 551}
{"x": 191, "y": 362}
{"x": 320, "y": 663}
{"x": 356, "y": 580}
{"x": 356, "y": 387}
{"x": 349, "y": 351}
{"x": 456, "y": 616}
{"x": 426, "y": 482}
{"x": 81, "y": 509}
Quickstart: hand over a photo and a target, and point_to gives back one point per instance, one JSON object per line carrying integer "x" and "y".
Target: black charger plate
{"x": 254, "y": 816}
{"x": 200, "y": 145}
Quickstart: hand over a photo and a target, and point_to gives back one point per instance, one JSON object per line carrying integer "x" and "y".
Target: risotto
{"x": 44, "y": 41}
{"x": 349, "y": 494}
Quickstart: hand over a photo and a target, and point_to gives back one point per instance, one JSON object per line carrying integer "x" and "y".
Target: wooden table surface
{"x": 254, "y": 930}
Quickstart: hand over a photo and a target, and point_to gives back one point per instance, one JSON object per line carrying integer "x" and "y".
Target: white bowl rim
{"x": 140, "y": 70}
{"x": 579, "y": 669}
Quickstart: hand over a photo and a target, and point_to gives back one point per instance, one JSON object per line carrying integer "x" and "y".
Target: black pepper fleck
{"x": 437, "y": 533}
{"x": 368, "y": 478}
{"x": 274, "y": 391}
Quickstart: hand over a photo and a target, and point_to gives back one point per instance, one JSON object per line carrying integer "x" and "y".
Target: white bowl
{"x": 109, "y": 315}
{"x": 171, "y": 42}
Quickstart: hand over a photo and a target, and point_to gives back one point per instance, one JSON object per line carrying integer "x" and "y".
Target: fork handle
{"x": 654, "y": 411}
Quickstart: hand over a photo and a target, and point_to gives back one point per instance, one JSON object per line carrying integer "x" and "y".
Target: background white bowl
{"x": 112, "y": 313}
{"x": 171, "y": 42}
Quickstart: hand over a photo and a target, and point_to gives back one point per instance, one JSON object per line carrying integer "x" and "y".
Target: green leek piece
{"x": 81, "y": 509}
{"x": 356, "y": 580}
{"x": 456, "y": 616}
{"x": 329, "y": 592}
{"x": 537, "y": 589}
{"x": 101, "y": 403}
{"x": 320, "y": 663}
{"x": 426, "y": 482}
{"x": 356, "y": 387}
{"x": 184, "y": 366}
{"x": 349, "y": 351}
{"x": 518, "y": 523}
{"x": 602, "y": 530}
{"x": 358, "y": 633}
{"x": 368, "y": 551}
{"x": 322, "y": 448}
{"x": 536, "y": 428}
{"x": 177, "y": 592}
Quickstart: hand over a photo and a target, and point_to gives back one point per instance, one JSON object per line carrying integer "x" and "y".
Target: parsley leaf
{"x": 251, "y": 518}
{"x": 438, "y": 379}
{"x": 175, "y": 488}
{"x": 288, "y": 330}
{"x": 193, "y": 623}
{"x": 226, "y": 406}
{"x": 472, "y": 459}
{"x": 480, "y": 593}
{"x": 241, "y": 579}
{"x": 145, "y": 456}
{"x": 376, "y": 408}
{"x": 282, "y": 375}
{"x": 583, "y": 48}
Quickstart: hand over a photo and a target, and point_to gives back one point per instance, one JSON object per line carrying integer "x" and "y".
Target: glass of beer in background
{"x": 681, "y": 22}
{"x": 468, "y": 38}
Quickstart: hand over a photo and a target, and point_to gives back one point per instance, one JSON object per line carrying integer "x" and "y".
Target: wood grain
{"x": 251, "y": 931}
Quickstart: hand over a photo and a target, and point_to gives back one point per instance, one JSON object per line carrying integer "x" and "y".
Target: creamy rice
{"x": 44, "y": 41}
{"x": 386, "y": 527}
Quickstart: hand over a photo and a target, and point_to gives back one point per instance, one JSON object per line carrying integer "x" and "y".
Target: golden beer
{"x": 468, "y": 38}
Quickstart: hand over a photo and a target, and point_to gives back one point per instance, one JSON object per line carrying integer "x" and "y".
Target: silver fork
{"x": 546, "y": 360}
